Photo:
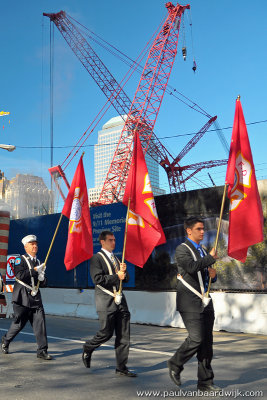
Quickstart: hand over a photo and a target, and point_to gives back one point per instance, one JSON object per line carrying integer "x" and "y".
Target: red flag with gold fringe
{"x": 245, "y": 213}
{"x": 80, "y": 240}
{"x": 144, "y": 229}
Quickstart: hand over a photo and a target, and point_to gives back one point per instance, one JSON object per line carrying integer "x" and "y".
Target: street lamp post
{"x": 8, "y": 147}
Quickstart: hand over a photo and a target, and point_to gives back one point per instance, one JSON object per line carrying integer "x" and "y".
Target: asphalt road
{"x": 239, "y": 365}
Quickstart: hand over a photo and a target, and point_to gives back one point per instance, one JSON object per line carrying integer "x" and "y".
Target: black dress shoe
{"x": 208, "y": 388}
{"x": 44, "y": 355}
{"x": 4, "y": 347}
{"x": 174, "y": 375}
{"x": 126, "y": 372}
{"x": 86, "y": 357}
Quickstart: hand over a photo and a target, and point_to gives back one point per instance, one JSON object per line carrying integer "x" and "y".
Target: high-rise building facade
{"x": 108, "y": 138}
{"x": 26, "y": 196}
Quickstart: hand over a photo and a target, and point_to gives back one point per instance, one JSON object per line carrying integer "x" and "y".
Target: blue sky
{"x": 229, "y": 44}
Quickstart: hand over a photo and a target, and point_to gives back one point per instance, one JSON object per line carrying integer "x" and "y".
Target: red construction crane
{"x": 146, "y": 103}
{"x": 106, "y": 82}
{"x": 175, "y": 171}
{"x": 119, "y": 99}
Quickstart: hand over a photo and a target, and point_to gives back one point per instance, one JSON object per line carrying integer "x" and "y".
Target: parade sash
{"x": 117, "y": 296}
{"x": 205, "y": 300}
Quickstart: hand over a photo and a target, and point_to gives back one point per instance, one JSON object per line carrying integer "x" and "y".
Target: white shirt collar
{"x": 32, "y": 258}
{"x": 108, "y": 253}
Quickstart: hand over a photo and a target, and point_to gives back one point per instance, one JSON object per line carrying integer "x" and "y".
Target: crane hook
{"x": 184, "y": 53}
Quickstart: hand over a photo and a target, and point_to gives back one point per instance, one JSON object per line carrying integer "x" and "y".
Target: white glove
{"x": 41, "y": 276}
{"x": 40, "y": 268}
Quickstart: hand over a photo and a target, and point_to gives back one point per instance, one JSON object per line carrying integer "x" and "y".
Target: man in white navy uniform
{"x": 27, "y": 300}
{"x": 196, "y": 309}
{"x": 107, "y": 272}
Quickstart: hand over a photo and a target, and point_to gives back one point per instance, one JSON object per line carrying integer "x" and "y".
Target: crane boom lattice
{"x": 146, "y": 104}
{"x": 140, "y": 114}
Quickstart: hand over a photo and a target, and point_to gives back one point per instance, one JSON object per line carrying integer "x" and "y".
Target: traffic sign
{"x": 10, "y": 274}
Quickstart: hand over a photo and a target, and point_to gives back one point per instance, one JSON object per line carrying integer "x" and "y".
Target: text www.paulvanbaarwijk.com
{"x": 233, "y": 393}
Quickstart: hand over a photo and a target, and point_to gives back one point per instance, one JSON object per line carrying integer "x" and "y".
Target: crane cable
{"x": 108, "y": 103}
{"x": 192, "y": 42}
{"x": 183, "y": 39}
{"x": 128, "y": 61}
{"x": 134, "y": 65}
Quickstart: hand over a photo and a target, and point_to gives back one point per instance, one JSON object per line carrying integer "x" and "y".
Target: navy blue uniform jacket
{"x": 21, "y": 295}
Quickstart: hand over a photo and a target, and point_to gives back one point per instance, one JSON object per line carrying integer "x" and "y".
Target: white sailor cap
{"x": 28, "y": 239}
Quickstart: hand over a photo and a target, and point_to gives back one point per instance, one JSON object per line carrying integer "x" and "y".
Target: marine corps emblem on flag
{"x": 144, "y": 229}
{"x": 152, "y": 206}
{"x": 80, "y": 242}
{"x": 242, "y": 180}
{"x": 135, "y": 219}
{"x": 76, "y": 212}
{"x": 147, "y": 185}
{"x": 245, "y": 210}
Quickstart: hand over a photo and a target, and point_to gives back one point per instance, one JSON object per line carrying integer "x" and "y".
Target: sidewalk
{"x": 239, "y": 365}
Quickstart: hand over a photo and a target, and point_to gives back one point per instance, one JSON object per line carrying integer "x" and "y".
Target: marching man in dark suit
{"x": 107, "y": 272}
{"x": 26, "y": 298}
{"x": 194, "y": 270}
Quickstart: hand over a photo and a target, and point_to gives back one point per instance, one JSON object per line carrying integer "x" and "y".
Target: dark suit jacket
{"x": 100, "y": 276}
{"x": 186, "y": 300}
{"x": 21, "y": 295}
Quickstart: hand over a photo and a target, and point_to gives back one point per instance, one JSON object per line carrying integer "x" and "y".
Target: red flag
{"x": 144, "y": 229}
{"x": 80, "y": 242}
{"x": 245, "y": 213}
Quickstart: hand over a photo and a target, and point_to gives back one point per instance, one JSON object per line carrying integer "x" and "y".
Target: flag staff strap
{"x": 218, "y": 230}
{"x": 51, "y": 245}
{"x": 125, "y": 238}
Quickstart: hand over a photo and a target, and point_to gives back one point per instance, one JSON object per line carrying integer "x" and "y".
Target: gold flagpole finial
{"x": 238, "y": 98}
{"x": 83, "y": 154}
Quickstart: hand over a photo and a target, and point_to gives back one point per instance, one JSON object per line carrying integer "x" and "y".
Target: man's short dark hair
{"x": 103, "y": 235}
{"x": 191, "y": 221}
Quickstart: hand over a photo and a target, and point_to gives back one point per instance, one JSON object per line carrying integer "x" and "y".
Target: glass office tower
{"x": 108, "y": 138}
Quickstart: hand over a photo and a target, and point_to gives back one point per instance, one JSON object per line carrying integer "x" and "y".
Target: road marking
{"x": 164, "y": 353}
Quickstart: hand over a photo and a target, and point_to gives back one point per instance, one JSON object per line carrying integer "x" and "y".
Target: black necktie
{"x": 34, "y": 261}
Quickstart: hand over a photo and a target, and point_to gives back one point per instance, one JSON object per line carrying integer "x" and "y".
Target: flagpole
{"x": 125, "y": 238}
{"x": 50, "y": 247}
{"x": 218, "y": 230}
